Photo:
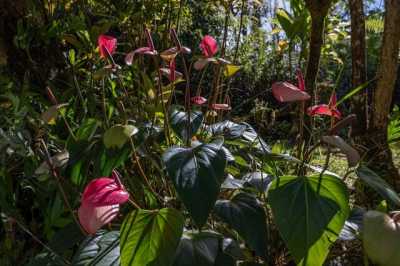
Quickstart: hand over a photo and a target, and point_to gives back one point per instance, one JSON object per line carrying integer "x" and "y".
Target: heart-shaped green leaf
{"x": 118, "y": 135}
{"x": 179, "y": 122}
{"x": 246, "y": 215}
{"x": 197, "y": 174}
{"x": 150, "y": 237}
{"x": 102, "y": 249}
{"x": 310, "y": 213}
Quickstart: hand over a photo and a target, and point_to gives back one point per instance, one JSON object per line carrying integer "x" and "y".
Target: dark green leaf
{"x": 258, "y": 180}
{"x": 378, "y": 184}
{"x": 247, "y": 216}
{"x": 197, "y": 249}
{"x": 232, "y": 183}
{"x": 310, "y": 213}
{"x": 179, "y": 121}
{"x": 231, "y": 130}
{"x": 101, "y": 249}
{"x": 150, "y": 237}
{"x": 197, "y": 174}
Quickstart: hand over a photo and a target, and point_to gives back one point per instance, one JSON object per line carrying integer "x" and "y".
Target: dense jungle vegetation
{"x": 198, "y": 132}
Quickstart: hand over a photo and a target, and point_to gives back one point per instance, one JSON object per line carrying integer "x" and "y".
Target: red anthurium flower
{"x": 326, "y": 109}
{"x": 198, "y": 100}
{"x": 100, "y": 202}
{"x": 106, "y": 43}
{"x": 148, "y": 50}
{"x": 221, "y": 106}
{"x": 300, "y": 80}
{"x": 287, "y": 92}
{"x": 208, "y": 46}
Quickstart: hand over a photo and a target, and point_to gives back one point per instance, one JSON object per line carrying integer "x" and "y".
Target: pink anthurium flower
{"x": 326, "y": 109}
{"x": 100, "y": 202}
{"x": 148, "y": 50}
{"x": 107, "y": 45}
{"x": 208, "y": 46}
{"x": 287, "y": 92}
{"x": 198, "y": 100}
{"x": 221, "y": 106}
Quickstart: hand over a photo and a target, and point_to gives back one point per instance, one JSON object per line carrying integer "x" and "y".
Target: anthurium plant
{"x": 153, "y": 170}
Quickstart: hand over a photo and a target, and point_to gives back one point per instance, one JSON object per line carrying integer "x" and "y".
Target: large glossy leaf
{"x": 150, "y": 237}
{"x": 378, "y": 184}
{"x": 232, "y": 183}
{"x": 101, "y": 249}
{"x": 198, "y": 249}
{"x": 247, "y": 216}
{"x": 179, "y": 122}
{"x": 197, "y": 174}
{"x": 258, "y": 180}
{"x": 310, "y": 213}
{"x": 231, "y": 130}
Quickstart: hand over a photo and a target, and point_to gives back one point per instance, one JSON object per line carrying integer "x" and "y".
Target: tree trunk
{"x": 318, "y": 11}
{"x": 380, "y": 153}
{"x": 359, "y": 103}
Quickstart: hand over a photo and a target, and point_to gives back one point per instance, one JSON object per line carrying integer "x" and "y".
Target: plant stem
{"x": 60, "y": 187}
{"x": 26, "y": 230}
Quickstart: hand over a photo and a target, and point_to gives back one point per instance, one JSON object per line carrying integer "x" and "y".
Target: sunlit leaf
{"x": 150, "y": 237}
{"x": 231, "y": 70}
{"x": 310, "y": 213}
{"x": 118, "y": 135}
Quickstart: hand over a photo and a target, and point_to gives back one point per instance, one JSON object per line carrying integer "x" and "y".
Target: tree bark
{"x": 318, "y": 11}
{"x": 380, "y": 153}
{"x": 359, "y": 103}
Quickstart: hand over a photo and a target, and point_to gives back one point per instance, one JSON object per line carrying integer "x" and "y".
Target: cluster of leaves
{"x": 204, "y": 189}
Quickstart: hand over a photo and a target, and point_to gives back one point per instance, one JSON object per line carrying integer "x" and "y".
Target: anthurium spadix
{"x": 100, "y": 202}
